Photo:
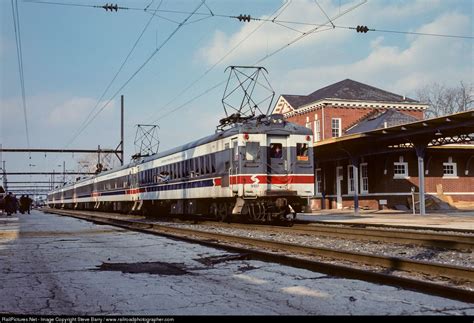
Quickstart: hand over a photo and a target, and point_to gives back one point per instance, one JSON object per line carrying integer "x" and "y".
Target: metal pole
{"x": 64, "y": 171}
{"x": 98, "y": 156}
{"x": 5, "y": 184}
{"x": 355, "y": 173}
{"x": 421, "y": 174}
{"x": 121, "y": 129}
{"x": 420, "y": 152}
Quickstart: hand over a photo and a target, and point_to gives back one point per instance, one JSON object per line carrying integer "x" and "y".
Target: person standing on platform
{"x": 29, "y": 201}
{"x": 10, "y": 204}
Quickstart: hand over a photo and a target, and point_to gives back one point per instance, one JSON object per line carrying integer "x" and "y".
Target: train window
{"x": 236, "y": 150}
{"x": 203, "y": 167}
{"x": 302, "y": 152}
{"x": 208, "y": 164}
{"x": 252, "y": 151}
{"x": 172, "y": 168}
{"x": 193, "y": 167}
{"x": 213, "y": 163}
{"x": 184, "y": 170}
{"x": 199, "y": 165}
{"x": 276, "y": 151}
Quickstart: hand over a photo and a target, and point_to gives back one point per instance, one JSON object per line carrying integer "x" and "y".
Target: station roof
{"x": 455, "y": 128}
{"x": 381, "y": 119}
{"x": 347, "y": 90}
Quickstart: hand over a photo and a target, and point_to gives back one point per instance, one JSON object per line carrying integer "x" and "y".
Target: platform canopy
{"x": 451, "y": 129}
{"x": 456, "y": 128}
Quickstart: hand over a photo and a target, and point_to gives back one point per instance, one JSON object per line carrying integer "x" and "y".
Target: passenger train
{"x": 259, "y": 169}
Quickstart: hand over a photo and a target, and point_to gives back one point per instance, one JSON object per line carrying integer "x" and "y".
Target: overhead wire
{"x": 16, "y": 24}
{"x": 115, "y": 76}
{"x": 311, "y": 31}
{"x": 278, "y": 11}
{"x": 142, "y": 66}
{"x": 410, "y": 32}
{"x": 212, "y": 14}
{"x": 257, "y": 19}
{"x": 314, "y": 30}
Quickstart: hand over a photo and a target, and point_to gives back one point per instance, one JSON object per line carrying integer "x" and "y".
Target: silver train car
{"x": 260, "y": 170}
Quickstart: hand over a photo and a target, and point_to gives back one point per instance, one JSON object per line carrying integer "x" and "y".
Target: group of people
{"x": 13, "y": 205}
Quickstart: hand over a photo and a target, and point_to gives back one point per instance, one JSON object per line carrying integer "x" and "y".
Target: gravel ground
{"x": 463, "y": 258}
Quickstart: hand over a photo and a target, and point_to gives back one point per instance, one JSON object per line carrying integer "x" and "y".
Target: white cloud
{"x": 74, "y": 110}
{"x": 52, "y": 116}
{"x": 403, "y": 70}
{"x": 272, "y": 36}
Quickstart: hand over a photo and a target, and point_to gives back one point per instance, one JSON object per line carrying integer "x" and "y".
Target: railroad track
{"x": 278, "y": 252}
{"x": 428, "y": 239}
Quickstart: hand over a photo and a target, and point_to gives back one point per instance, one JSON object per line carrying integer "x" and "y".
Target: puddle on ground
{"x": 154, "y": 268}
{"x": 213, "y": 260}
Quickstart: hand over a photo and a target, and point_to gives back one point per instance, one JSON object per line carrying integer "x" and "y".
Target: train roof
{"x": 273, "y": 124}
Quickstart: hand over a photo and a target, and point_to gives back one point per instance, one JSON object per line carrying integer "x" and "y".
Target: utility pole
{"x": 64, "y": 172}
{"x": 4, "y": 171}
{"x": 121, "y": 129}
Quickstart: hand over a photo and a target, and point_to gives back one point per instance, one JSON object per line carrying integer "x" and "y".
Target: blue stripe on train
{"x": 161, "y": 188}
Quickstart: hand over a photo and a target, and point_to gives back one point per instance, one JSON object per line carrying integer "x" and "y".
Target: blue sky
{"x": 71, "y": 53}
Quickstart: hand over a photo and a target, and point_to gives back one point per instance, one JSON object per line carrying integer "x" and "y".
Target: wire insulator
{"x": 110, "y": 7}
{"x": 244, "y": 17}
{"x": 362, "y": 29}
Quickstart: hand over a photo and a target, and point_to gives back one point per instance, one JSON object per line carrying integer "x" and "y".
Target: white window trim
{"x": 317, "y": 130}
{"x": 349, "y": 191}
{"x": 455, "y": 169}
{"x": 308, "y": 123}
{"x": 339, "y": 128}
{"x": 401, "y": 176}
{"x": 362, "y": 191}
{"x": 318, "y": 170}
{"x": 405, "y": 164}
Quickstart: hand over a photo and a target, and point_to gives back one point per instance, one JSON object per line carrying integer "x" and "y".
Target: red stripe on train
{"x": 272, "y": 179}
{"x": 133, "y": 191}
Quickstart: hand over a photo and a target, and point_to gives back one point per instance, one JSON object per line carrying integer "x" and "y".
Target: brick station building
{"x": 344, "y": 116}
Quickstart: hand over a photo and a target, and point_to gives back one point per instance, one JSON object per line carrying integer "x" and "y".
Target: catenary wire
{"x": 282, "y": 8}
{"x": 115, "y": 76}
{"x": 141, "y": 66}
{"x": 256, "y": 19}
{"x": 263, "y": 58}
{"x": 16, "y": 24}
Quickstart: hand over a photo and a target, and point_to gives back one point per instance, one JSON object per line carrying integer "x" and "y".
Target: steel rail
{"x": 254, "y": 246}
{"x": 442, "y": 240}
{"x": 387, "y": 226}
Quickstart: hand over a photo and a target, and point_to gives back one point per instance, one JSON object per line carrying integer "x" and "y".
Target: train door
{"x": 277, "y": 162}
{"x": 234, "y": 166}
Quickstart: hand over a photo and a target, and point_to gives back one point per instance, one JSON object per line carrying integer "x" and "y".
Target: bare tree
{"x": 446, "y": 100}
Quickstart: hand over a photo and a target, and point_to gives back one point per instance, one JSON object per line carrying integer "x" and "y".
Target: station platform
{"x": 457, "y": 220}
{"x": 58, "y": 265}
